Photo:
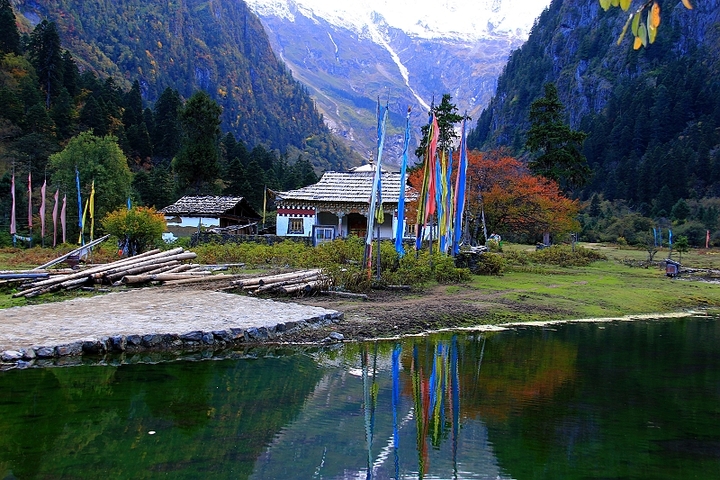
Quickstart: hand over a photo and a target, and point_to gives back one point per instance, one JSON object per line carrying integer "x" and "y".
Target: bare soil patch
{"x": 392, "y": 313}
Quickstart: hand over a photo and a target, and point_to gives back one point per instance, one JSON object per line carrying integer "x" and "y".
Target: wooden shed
{"x": 190, "y": 213}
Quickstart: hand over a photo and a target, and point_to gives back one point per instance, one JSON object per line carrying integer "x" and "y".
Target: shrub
{"x": 563, "y": 256}
{"x": 136, "y": 228}
{"x": 489, "y": 264}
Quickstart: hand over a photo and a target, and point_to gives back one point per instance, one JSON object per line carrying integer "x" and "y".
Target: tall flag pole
{"x": 42, "y": 212}
{"x": 79, "y": 199}
{"x": 426, "y": 202}
{"x": 460, "y": 190}
{"x": 92, "y": 211}
{"x": 13, "y": 222}
{"x": 30, "y": 202}
{"x": 400, "y": 227}
{"x": 449, "y": 207}
{"x": 81, "y": 240}
{"x": 382, "y": 114}
{"x": 63, "y": 215}
{"x": 55, "y": 217}
{"x": 440, "y": 170}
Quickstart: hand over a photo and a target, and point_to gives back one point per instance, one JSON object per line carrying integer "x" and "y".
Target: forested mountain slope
{"x": 652, "y": 115}
{"x": 217, "y": 46}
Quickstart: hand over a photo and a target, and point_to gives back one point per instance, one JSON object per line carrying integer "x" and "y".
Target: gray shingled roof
{"x": 203, "y": 205}
{"x": 348, "y": 187}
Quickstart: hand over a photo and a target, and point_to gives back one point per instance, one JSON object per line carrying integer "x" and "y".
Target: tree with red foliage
{"x": 516, "y": 202}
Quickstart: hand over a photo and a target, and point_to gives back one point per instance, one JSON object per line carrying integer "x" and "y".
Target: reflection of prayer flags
{"x": 400, "y": 228}
{"x": 30, "y": 200}
{"x": 13, "y": 229}
{"x": 42, "y": 209}
{"x": 92, "y": 210}
{"x": 63, "y": 213}
{"x": 55, "y": 214}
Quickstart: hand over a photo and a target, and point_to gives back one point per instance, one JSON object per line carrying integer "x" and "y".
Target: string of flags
{"x": 82, "y": 216}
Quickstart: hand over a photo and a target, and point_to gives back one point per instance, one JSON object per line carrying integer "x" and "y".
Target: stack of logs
{"x": 149, "y": 263}
{"x": 167, "y": 268}
{"x": 302, "y": 282}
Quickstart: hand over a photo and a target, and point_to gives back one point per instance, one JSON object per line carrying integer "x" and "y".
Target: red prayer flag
{"x": 62, "y": 217}
{"x": 55, "y": 214}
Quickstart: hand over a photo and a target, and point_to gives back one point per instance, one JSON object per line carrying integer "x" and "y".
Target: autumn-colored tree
{"x": 515, "y": 202}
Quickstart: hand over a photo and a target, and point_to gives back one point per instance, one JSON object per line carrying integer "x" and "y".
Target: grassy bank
{"x": 531, "y": 286}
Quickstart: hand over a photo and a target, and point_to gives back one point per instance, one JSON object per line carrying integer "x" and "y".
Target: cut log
{"x": 361, "y": 296}
{"x": 74, "y": 252}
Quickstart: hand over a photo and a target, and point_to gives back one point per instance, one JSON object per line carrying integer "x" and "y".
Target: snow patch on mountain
{"x": 436, "y": 19}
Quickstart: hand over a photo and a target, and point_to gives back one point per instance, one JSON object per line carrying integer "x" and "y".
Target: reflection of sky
{"x": 328, "y": 438}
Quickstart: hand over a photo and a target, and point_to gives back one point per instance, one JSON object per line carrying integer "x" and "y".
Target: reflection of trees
{"x": 212, "y": 418}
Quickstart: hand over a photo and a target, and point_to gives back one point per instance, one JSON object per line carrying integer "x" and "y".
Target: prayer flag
{"x": 400, "y": 227}
{"x": 55, "y": 217}
{"x": 42, "y": 209}
{"x": 13, "y": 229}
{"x": 707, "y": 239}
{"x": 382, "y": 114}
{"x": 460, "y": 190}
{"x": 92, "y": 210}
{"x": 63, "y": 213}
{"x": 77, "y": 184}
{"x": 81, "y": 240}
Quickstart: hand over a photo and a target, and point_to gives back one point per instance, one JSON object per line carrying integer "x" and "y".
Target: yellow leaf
{"x": 625, "y": 4}
{"x": 654, "y": 18}
{"x": 642, "y": 34}
{"x": 637, "y": 44}
{"x": 605, "y": 4}
{"x": 615, "y": 3}
{"x": 635, "y": 24}
{"x": 687, "y": 4}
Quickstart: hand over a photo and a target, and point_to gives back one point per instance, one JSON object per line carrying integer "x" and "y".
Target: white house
{"x": 337, "y": 206}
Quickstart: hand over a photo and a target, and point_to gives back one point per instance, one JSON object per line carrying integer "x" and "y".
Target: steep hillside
{"x": 217, "y": 46}
{"x": 651, "y": 115}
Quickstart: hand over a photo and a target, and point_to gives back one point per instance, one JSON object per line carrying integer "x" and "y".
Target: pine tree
{"x": 556, "y": 145}
{"x": 196, "y": 164}
{"x": 166, "y": 134}
{"x": 447, "y": 118}
{"x": 9, "y": 35}
{"x": 46, "y": 57}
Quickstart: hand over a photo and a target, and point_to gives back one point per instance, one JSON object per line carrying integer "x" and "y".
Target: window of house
{"x": 296, "y": 226}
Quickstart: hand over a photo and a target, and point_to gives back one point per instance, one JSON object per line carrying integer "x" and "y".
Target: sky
{"x": 423, "y": 18}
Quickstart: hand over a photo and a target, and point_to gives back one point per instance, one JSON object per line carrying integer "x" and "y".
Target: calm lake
{"x": 617, "y": 400}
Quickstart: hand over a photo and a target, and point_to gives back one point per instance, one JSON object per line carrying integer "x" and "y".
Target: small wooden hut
{"x": 190, "y": 213}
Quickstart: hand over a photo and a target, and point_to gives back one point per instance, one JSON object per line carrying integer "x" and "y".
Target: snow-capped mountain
{"x": 404, "y": 52}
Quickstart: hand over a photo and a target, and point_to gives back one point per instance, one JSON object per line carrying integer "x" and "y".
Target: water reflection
{"x": 633, "y": 400}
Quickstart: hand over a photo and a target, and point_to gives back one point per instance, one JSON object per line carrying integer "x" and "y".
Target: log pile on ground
{"x": 155, "y": 265}
{"x": 166, "y": 268}
{"x": 300, "y": 283}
